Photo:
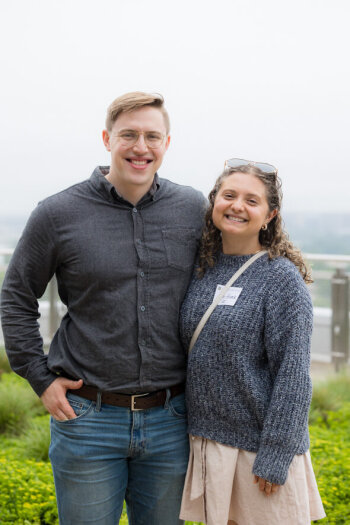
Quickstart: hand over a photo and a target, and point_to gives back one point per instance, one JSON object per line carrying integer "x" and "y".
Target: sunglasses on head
{"x": 263, "y": 166}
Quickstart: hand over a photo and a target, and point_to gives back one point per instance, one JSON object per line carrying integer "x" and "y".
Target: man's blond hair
{"x": 135, "y": 100}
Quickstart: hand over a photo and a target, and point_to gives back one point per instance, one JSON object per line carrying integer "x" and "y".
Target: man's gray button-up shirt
{"x": 122, "y": 272}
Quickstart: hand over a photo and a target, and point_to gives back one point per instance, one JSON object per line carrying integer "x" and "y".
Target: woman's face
{"x": 241, "y": 209}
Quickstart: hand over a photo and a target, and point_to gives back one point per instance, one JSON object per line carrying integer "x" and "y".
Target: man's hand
{"x": 55, "y": 401}
{"x": 266, "y": 486}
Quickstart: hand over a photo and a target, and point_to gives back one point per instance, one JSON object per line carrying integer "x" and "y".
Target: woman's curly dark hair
{"x": 274, "y": 239}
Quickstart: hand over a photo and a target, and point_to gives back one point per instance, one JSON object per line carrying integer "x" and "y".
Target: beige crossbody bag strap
{"x": 220, "y": 296}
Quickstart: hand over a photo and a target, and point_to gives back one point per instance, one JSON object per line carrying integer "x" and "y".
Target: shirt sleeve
{"x": 31, "y": 268}
{"x": 288, "y": 329}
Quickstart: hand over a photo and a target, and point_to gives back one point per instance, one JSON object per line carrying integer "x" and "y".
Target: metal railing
{"x": 50, "y": 302}
{"x": 331, "y": 276}
{"x": 338, "y": 277}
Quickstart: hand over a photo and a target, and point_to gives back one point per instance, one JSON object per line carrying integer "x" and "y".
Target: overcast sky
{"x": 267, "y": 80}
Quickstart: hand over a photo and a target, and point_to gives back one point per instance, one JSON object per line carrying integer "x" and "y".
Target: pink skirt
{"x": 219, "y": 487}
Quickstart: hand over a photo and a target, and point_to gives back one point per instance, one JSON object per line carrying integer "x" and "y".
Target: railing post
{"x": 53, "y": 315}
{"x": 340, "y": 318}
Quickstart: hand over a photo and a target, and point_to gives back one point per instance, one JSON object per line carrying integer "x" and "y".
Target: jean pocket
{"x": 180, "y": 247}
{"x": 80, "y": 405}
{"x": 177, "y": 406}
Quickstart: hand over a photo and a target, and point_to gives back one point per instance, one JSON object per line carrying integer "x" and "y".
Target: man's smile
{"x": 139, "y": 163}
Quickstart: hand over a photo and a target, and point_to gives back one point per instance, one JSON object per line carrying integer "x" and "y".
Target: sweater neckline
{"x": 228, "y": 260}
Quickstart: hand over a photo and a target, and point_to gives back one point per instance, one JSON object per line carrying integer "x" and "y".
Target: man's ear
{"x": 167, "y": 142}
{"x": 105, "y": 138}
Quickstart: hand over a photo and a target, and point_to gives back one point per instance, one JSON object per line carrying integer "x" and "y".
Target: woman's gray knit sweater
{"x": 248, "y": 382}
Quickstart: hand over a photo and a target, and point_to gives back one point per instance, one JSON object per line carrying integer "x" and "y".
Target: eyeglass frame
{"x": 252, "y": 163}
{"x": 138, "y": 136}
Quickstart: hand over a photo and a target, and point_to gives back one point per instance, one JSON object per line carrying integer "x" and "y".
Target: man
{"x": 122, "y": 246}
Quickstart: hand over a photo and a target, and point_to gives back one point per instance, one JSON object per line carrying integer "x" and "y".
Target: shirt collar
{"x": 99, "y": 181}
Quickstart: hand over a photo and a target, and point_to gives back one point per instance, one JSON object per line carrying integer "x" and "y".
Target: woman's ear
{"x": 271, "y": 215}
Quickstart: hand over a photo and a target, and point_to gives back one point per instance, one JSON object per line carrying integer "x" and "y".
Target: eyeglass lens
{"x": 153, "y": 139}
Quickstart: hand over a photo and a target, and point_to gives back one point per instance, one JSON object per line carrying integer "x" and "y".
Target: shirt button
{"x": 142, "y": 308}
{"x": 138, "y": 241}
{"x": 143, "y": 341}
{"x": 142, "y": 274}
{"x": 134, "y": 210}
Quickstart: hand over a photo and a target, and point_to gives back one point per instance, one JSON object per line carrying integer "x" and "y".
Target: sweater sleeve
{"x": 288, "y": 328}
{"x": 31, "y": 268}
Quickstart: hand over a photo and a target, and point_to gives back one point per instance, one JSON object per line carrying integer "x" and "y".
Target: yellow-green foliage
{"x": 17, "y": 404}
{"x": 4, "y": 363}
{"x": 26, "y": 492}
{"x": 330, "y": 449}
{"x": 26, "y": 485}
{"x": 329, "y": 396}
{"x": 35, "y": 440}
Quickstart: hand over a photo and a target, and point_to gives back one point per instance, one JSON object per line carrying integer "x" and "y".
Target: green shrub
{"x": 330, "y": 449}
{"x": 26, "y": 486}
{"x": 4, "y": 362}
{"x": 329, "y": 396}
{"x": 322, "y": 403}
{"x": 336, "y": 389}
{"x": 17, "y": 404}
{"x": 35, "y": 441}
{"x": 26, "y": 493}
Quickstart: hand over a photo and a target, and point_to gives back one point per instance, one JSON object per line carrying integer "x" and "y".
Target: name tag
{"x": 230, "y": 296}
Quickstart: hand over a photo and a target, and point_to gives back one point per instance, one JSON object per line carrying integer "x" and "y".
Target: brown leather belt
{"x": 132, "y": 401}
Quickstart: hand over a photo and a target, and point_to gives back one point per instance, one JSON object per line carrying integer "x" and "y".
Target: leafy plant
{"x": 330, "y": 450}
{"x": 18, "y": 404}
{"x": 4, "y": 362}
{"x": 27, "y": 494}
{"x": 329, "y": 396}
{"x": 35, "y": 440}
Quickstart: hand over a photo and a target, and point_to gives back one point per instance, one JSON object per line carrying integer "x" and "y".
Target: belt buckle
{"x": 133, "y": 401}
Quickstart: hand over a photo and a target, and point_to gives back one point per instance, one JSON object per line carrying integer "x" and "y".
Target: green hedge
{"x": 18, "y": 404}
{"x": 330, "y": 449}
{"x": 27, "y": 490}
{"x": 27, "y": 494}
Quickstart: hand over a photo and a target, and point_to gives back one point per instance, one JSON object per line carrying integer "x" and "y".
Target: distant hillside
{"x": 311, "y": 232}
{"x": 319, "y": 233}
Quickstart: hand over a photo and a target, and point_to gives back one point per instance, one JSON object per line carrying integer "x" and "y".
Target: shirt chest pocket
{"x": 180, "y": 247}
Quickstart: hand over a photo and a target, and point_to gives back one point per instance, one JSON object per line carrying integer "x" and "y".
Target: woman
{"x": 248, "y": 383}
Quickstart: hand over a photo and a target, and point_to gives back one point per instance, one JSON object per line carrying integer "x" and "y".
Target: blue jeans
{"x": 108, "y": 454}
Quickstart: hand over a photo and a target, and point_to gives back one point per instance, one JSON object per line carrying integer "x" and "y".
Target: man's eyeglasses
{"x": 129, "y": 137}
{"x": 263, "y": 166}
